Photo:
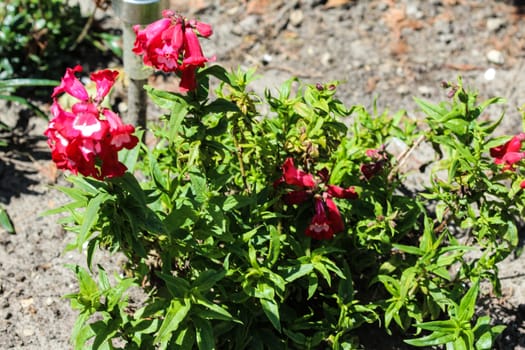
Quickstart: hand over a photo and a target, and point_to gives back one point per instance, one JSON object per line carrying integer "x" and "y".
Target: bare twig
{"x": 402, "y": 158}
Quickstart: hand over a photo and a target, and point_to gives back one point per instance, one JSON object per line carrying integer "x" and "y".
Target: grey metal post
{"x": 133, "y": 12}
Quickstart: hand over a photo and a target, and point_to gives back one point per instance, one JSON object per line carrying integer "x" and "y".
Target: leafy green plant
{"x": 42, "y": 37}
{"x": 8, "y": 89}
{"x": 457, "y": 332}
{"x": 282, "y": 221}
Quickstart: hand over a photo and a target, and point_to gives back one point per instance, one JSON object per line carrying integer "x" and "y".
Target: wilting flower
{"x": 327, "y": 220}
{"x": 87, "y": 139}
{"x": 509, "y": 153}
{"x": 379, "y": 159}
{"x": 171, "y": 44}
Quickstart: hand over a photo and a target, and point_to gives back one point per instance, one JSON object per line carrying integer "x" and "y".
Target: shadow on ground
{"x": 20, "y": 153}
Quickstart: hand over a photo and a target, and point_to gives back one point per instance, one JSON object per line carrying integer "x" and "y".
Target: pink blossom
{"x": 171, "y": 44}
{"x": 509, "y": 153}
{"x": 87, "y": 139}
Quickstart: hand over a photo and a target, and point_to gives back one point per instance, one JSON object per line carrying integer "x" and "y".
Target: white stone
{"x": 490, "y": 74}
{"x": 496, "y": 57}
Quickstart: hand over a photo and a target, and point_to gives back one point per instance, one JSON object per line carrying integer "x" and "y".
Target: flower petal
{"x": 104, "y": 80}
{"x": 293, "y": 176}
{"x": 71, "y": 85}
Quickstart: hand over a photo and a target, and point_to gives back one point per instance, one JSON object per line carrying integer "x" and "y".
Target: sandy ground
{"x": 382, "y": 50}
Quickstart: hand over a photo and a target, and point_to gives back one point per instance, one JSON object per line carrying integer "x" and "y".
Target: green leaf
{"x": 207, "y": 279}
{"x": 215, "y": 311}
{"x": 15, "y": 83}
{"x": 175, "y": 314}
{"x": 297, "y": 271}
{"x": 81, "y": 332}
{"x": 220, "y": 105}
{"x": 468, "y": 303}
{"x": 204, "y": 332}
{"x": 90, "y": 217}
{"x": 178, "y": 287}
{"x": 439, "y": 326}
{"x": 199, "y": 186}
{"x": 271, "y": 309}
{"x": 5, "y": 221}
{"x": 185, "y": 338}
{"x": 433, "y": 339}
{"x": 275, "y": 246}
{"x": 312, "y": 284}
{"x": 430, "y": 109}
{"x": 409, "y": 249}
{"x": 129, "y": 157}
{"x": 164, "y": 99}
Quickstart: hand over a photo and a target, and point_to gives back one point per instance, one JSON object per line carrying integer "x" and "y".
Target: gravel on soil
{"x": 384, "y": 52}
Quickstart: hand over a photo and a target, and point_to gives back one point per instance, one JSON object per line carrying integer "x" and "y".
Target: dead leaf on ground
{"x": 336, "y": 3}
{"x": 48, "y": 171}
{"x": 396, "y": 19}
{"x": 462, "y": 67}
{"x": 371, "y": 84}
{"x": 399, "y": 47}
{"x": 258, "y": 7}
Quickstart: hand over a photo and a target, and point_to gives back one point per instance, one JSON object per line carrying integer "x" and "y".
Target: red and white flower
{"x": 327, "y": 219}
{"x": 87, "y": 139}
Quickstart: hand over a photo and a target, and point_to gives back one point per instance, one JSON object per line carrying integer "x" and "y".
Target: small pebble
{"x": 27, "y": 332}
{"x": 26, "y": 302}
{"x": 326, "y": 59}
{"x": 495, "y": 56}
{"x": 296, "y": 18}
{"x": 495, "y": 23}
{"x": 403, "y": 90}
{"x": 490, "y": 74}
{"x": 425, "y": 90}
{"x": 267, "y": 58}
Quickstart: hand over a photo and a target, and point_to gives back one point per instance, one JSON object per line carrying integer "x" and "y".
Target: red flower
{"x": 509, "y": 153}
{"x": 171, "y": 45}
{"x": 320, "y": 227}
{"x": 327, "y": 220}
{"x": 87, "y": 139}
{"x": 379, "y": 159}
{"x": 294, "y": 176}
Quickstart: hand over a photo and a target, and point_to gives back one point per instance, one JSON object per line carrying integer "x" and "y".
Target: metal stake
{"x": 133, "y": 12}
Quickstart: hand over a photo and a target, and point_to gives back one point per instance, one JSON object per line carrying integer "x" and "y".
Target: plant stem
{"x": 241, "y": 163}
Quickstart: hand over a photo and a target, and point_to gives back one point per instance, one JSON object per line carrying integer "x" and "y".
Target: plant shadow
{"x": 513, "y": 336}
{"x": 22, "y": 150}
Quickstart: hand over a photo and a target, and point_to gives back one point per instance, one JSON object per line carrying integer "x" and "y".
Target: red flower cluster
{"x": 171, "y": 44}
{"x": 509, "y": 154}
{"x": 327, "y": 220}
{"x": 87, "y": 139}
